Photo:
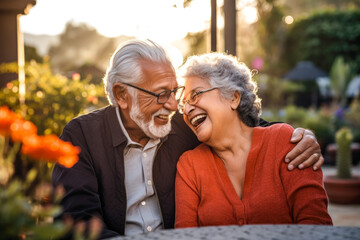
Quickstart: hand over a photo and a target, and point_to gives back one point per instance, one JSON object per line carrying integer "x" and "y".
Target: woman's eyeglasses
{"x": 194, "y": 98}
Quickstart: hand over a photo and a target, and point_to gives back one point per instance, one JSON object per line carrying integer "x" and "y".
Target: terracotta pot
{"x": 343, "y": 191}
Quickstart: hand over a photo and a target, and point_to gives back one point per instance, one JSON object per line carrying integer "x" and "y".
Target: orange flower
{"x": 7, "y": 117}
{"x": 68, "y": 160}
{"x": 32, "y": 146}
{"x": 50, "y": 148}
{"x": 20, "y": 129}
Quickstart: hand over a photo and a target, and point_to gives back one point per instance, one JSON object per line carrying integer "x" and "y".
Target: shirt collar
{"x": 130, "y": 142}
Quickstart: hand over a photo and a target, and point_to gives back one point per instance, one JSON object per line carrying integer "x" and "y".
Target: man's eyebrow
{"x": 164, "y": 88}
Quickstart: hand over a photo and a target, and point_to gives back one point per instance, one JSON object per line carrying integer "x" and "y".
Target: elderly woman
{"x": 238, "y": 175}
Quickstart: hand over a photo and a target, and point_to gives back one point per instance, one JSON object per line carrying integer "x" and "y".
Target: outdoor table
{"x": 252, "y": 232}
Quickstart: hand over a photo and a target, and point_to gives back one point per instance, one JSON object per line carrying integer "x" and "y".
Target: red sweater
{"x": 205, "y": 195}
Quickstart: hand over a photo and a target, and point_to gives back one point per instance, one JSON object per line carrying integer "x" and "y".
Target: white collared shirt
{"x": 143, "y": 213}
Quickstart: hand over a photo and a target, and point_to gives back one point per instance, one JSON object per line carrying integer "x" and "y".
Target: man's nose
{"x": 171, "y": 103}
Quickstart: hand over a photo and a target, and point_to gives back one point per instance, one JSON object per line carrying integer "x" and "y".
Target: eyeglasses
{"x": 194, "y": 98}
{"x": 163, "y": 96}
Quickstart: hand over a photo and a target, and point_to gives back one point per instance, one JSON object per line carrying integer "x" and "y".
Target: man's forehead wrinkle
{"x": 157, "y": 70}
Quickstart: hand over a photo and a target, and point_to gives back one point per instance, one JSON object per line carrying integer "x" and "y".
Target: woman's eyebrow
{"x": 193, "y": 91}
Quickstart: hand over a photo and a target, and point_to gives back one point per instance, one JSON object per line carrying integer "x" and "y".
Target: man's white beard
{"x": 149, "y": 128}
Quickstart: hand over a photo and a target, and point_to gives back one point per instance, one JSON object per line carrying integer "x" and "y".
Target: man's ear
{"x": 235, "y": 100}
{"x": 121, "y": 95}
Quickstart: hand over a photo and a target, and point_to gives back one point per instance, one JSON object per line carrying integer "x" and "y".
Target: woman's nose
{"x": 188, "y": 108}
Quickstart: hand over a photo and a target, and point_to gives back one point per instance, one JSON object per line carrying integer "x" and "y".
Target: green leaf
{"x": 30, "y": 177}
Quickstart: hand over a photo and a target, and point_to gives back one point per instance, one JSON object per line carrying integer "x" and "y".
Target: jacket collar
{"x": 117, "y": 135}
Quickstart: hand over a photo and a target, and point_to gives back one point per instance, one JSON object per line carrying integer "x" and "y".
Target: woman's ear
{"x": 121, "y": 95}
{"x": 235, "y": 100}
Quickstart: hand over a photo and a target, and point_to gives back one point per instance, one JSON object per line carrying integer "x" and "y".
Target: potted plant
{"x": 343, "y": 188}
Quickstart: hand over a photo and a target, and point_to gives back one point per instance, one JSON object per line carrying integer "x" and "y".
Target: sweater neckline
{"x": 227, "y": 186}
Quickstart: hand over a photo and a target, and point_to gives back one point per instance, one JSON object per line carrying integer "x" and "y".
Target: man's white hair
{"x": 125, "y": 64}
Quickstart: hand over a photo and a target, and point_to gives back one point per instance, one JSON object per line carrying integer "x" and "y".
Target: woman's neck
{"x": 233, "y": 149}
{"x": 233, "y": 142}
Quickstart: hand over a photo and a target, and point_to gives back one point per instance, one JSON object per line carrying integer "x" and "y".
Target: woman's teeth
{"x": 198, "y": 119}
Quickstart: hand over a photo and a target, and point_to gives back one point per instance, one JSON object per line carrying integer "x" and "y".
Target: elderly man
{"x": 129, "y": 150}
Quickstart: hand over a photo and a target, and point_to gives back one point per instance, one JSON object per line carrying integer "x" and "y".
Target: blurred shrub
{"x": 322, "y": 125}
{"x": 324, "y": 122}
{"x": 295, "y": 116}
{"x": 322, "y": 37}
{"x": 51, "y": 100}
{"x": 320, "y": 122}
{"x": 275, "y": 92}
{"x": 21, "y": 218}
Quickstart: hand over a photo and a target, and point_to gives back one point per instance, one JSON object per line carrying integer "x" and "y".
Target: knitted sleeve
{"x": 304, "y": 189}
{"x": 186, "y": 194}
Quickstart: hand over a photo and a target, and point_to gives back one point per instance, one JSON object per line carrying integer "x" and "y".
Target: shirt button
{"x": 149, "y": 182}
{"x": 149, "y": 229}
{"x": 144, "y": 155}
{"x": 143, "y": 203}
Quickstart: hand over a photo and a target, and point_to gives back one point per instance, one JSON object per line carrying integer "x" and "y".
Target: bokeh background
{"x": 304, "y": 54}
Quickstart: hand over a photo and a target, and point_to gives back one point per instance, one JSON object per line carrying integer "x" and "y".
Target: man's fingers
{"x": 319, "y": 163}
{"x": 315, "y": 159}
{"x": 306, "y": 153}
{"x": 308, "y": 157}
{"x": 310, "y": 161}
{"x": 297, "y": 135}
{"x": 299, "y": 149}
{"x": 300, "y": 160}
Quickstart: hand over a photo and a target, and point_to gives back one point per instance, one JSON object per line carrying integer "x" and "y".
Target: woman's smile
{"x": 198, "y": 119}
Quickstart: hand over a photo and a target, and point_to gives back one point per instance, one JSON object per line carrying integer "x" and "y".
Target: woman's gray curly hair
{"x": 125, "y": 64}
{"x": 228, "y": 75}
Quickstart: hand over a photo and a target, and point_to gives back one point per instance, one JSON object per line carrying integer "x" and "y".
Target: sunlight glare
{"x": 250, "y": 13}
{"x": 289, "y": 19}
{"x": 161, "y": 19}
{"x": 175, "y": 56}
{"x": 173, "y": 52}
{"x": 247, "y": 10}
